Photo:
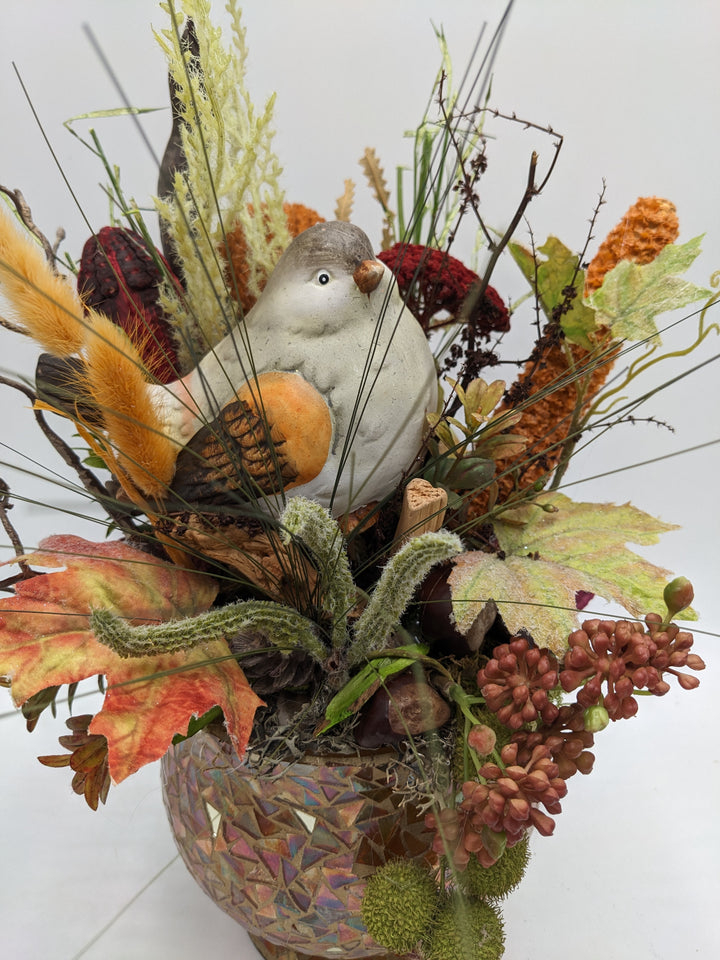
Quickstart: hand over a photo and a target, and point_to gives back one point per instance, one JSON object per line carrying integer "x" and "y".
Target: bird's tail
{"x": 106, "y": 374}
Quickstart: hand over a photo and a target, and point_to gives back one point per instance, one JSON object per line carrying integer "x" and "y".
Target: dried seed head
{"x": 648, "y": 227}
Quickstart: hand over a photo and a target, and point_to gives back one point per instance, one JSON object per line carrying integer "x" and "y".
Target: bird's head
{"x": 328, "y": 277}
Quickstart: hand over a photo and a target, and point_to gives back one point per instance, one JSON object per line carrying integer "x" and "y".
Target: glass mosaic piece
{"x": 286, "y": 852}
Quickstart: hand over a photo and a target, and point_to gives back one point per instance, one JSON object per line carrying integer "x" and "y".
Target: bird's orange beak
{"x": 368, "y": 275}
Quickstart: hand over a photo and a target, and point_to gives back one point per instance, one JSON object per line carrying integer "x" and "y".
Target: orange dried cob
{"x": 647, "y": 228}
{"x": 650, "y": 224}
{"x": 299, "y": 218}
{"x": 545, "y": 423}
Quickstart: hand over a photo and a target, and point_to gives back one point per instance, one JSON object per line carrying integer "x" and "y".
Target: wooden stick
{"x": 423, "y": 510}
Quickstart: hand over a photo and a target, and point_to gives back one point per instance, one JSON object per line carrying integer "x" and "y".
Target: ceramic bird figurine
{"x": 321, "y": 392}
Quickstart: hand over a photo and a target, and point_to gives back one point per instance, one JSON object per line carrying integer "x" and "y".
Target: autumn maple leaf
{"x": 45, "y": 640}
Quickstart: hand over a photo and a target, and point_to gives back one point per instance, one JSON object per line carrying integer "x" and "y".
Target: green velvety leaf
{"x": 552, "y": 276}
{"x": 213, "y": 715}
{"x": 632, "y": 296}
{"x": 551, "y": 555}
{"x": 361, "y": 687}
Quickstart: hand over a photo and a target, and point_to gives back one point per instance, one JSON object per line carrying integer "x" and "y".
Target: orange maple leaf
{"x": 45, "y": 641}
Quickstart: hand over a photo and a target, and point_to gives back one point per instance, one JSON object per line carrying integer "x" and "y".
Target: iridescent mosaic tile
{"x": 285, "y": 854}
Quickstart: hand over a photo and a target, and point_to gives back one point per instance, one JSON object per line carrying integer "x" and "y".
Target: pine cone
{"x": 269, "y": 669}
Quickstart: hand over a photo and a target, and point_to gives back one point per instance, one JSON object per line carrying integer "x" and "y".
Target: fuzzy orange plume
{"x": 45, "y": 304}
{"x": 648, "y": 227}
{"x": 299, "y": 218}
{"x": 116, "y": 381}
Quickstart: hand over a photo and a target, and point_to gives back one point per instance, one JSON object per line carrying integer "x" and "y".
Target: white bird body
{"x": 363, "y": 352}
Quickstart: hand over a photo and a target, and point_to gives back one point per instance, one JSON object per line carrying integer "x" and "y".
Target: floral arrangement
{"x": 443, "y": 616}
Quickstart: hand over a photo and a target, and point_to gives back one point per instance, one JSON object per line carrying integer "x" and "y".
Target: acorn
{"x": 406, "y": 705}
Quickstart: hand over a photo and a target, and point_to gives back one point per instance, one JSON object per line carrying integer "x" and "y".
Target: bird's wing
{"x": 274, "y": 435}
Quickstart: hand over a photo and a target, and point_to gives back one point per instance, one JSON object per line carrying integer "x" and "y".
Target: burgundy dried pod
{"x": 437, "y": 623}
{"x": 120, "y": 276}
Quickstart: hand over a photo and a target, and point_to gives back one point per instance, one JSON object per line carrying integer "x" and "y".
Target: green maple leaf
{"x": 551, "y": 555}
{"x": 550, "y": 277}
{"x": 632, "y": 295}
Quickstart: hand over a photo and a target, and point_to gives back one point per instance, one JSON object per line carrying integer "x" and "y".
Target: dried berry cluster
{"x": 516, "y": 681}
{"x": 606, "y": 662}
{"x": 566, "y": 738}
{"x": 613, "y": 659}
{"x": 496, "y": 811}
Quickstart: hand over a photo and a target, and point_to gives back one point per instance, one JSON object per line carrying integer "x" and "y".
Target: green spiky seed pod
{"x": 497, "y": 881}
{"x": 398, "y": 905}
{"x": 465, "y": 930}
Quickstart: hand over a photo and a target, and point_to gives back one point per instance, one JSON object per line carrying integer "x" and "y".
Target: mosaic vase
{"x": 286, "y": 850}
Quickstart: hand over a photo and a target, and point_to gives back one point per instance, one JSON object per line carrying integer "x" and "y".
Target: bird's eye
{"x": 323, "y": 277}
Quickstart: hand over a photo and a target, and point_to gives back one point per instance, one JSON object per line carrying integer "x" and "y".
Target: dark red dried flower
{"x": 622, "y": 657}
{"x": 432, "y": 282}
{"x": 516, "y": 681}
{"x": 120, "y": 277}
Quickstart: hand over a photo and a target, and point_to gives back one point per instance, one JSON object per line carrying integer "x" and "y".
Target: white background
{"x": 632, "y": 870}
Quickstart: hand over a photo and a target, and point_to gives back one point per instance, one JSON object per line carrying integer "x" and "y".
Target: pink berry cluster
{"x": 566, "y": 738}
{"x": 515, "y": 683}
{"x": 496, "y": 811}
{"x": 609, "y": 660}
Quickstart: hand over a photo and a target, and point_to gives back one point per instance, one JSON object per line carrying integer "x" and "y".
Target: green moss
{"x": 497, "y": 881}
{"x": 398, "y": 905}
{"x": 465, "y": 930}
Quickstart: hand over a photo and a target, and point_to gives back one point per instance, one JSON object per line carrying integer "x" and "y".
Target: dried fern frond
{"x": 375, "y": 176}
{"x": 344, "y": 205}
